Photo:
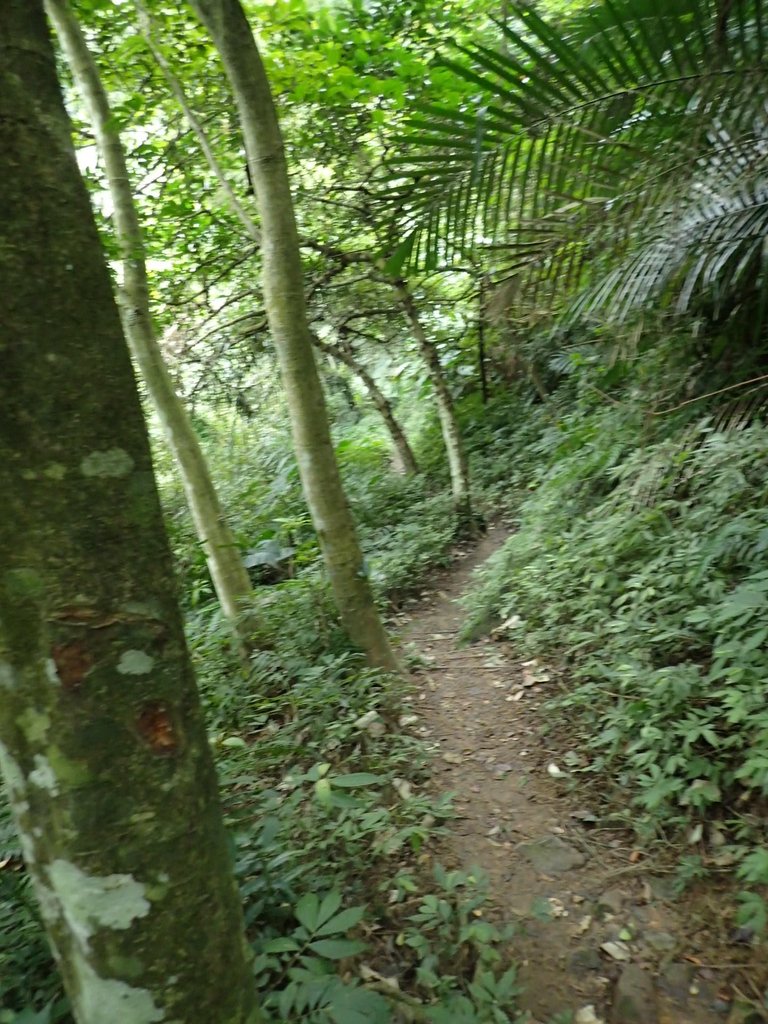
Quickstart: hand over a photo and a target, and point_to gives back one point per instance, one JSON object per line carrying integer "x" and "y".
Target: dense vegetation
{"x": 494, "y": 229}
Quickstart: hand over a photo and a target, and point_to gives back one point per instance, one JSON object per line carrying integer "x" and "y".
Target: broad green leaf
{"x": 323, "y": 791}
{"x": 394, "y": 265}
{"x": 330, "y": 904}
{"x": 281, "y": 945}
{"x": 234, "y": 742}
{"x": 358, "y": 1006}
{"x": 342, "y": 922}
{"x": 307, "y": 911}
{"x": 337, "y": 949}
{"x": 355, "y": 779}
{"x": 754, "y": 867}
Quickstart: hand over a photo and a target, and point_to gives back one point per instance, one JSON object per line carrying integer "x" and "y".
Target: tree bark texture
{"x": 225, "y": 564}
{"x": 102, "y": 740}
{"x": 283, "y": 286}
{"x": 458, "y": 465}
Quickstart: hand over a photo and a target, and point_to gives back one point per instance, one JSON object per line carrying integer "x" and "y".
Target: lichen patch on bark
{"x": 91, "y": 902}
{"x": 7, "y": 676}
{"x": 43, "y": 775}
{"x": 107, "y": 999}
{"x": 113, "y": 462}
{"x": 14, "y": 777}
{"x": 34, "y": 724}
{"x": 135, "y": 663}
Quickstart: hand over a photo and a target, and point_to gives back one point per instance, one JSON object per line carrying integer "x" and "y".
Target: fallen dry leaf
{"x": 616, "y": 951}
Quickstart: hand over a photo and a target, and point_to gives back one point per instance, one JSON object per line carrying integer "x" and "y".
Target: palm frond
{"x": 572, "y": 144}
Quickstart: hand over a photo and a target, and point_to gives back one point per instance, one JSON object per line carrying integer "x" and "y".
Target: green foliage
{"x": 323, "y": 791}
{"x": 25, "y": 957}
{"x": 566, "y": 147}
{"x": 337, "y": 790}
{"x": 450, "y": 938}
{"x": 298, "y": 970}
{"x": 639, "y": 566}
{"x": 639, "y": 570}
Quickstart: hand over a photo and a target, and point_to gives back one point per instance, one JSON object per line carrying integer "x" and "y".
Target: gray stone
{"x": 662, "y": 887}
{"x": 586, "y": 959}
{"x": 662, "y": 942}
{"x": 551, "y": 856}
{"x": 675, "y": 981}
{"x": 634, "y": 999}
{"x": 610, "y": 902}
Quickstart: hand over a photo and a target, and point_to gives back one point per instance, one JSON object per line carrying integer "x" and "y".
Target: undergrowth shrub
{"x": 323, "y": 784}
{"x": 639, "y": 566}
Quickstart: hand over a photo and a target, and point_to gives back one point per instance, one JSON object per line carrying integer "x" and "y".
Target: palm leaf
{"x": 578, "y": 133}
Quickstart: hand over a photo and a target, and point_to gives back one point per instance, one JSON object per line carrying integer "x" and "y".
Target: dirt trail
{"x": 596, "y": 928}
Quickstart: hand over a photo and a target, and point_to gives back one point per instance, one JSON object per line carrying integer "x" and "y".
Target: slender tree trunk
{"x": 482, "y": 369}
{"x": 229, "y": 575}
{"x": 102, "y": 741}
{"x": 286, "y": 311}
{"x": 403, "y": 450}
{"x": 402, "y": 447}
{"x": 458, "y": 465}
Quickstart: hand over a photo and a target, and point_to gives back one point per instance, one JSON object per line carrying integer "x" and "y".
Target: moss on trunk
{"x": 229, "y": 575}
{"x": 102, "y": 740}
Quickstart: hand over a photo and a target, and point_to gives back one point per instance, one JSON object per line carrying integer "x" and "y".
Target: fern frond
{"x": 571, "y": 147}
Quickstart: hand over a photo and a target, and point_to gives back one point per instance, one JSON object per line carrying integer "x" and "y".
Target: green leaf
{"x": 337, "y": 949}
{"x": 342, "y": 922}
{"x": 30, "y": 1016}
{"x": 281, "y": 945}
{"x": 329, "y": 906}
{"x": 307, "y": 911}
{"x": 394, "y": 265}
{"x": 355, "y": 779}
{"x": 358, "y": 1006}
{"x": 286, "y": 1000}
{"x": 323, "y": 791}
{"x": 753, "y": 912}
{"x": 754, "y": 867}
{"x": 743, "y": 599}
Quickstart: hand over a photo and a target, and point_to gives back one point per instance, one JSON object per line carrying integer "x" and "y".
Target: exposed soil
{"x": 598, "y": 925}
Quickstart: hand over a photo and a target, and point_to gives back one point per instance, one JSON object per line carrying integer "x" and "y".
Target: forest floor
{"x": 598, "y": 930}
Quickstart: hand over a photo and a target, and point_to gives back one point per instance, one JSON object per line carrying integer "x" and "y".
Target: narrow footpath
{"x": 598, "y": 931}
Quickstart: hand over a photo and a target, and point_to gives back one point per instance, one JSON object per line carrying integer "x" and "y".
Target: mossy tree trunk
{"x": 283, "y": 285}
{"x": 229, "y": 575}
{"x": 102, "y": 741}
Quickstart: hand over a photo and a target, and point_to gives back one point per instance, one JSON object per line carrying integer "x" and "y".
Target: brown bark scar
{"x": 157, "y": 728}
{"x": 72, "y": 662}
